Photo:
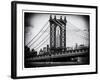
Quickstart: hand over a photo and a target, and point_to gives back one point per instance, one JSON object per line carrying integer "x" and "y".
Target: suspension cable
{"x": 76, "y": 27}
{"x": 43, "y": 42}
{"x": 39, "y": 37}
{"x": 37, "y": 34}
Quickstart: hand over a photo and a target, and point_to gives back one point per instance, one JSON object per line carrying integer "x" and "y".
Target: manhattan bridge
{"x": 56, "y": 52}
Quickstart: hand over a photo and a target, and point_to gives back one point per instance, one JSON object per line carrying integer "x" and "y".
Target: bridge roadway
{"x": 61, "y": 55}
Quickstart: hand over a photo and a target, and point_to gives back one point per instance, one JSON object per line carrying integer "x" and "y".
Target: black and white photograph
{"x": 53, "y": 39}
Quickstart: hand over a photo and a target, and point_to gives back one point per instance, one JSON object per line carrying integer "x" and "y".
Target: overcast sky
{"x": 77, "y": 28}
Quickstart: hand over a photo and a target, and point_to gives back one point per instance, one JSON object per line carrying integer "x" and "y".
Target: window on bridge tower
{"x": 57, "y": 36}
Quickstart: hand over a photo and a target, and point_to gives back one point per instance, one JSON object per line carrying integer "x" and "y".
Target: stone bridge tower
{"x": 57, "y": 34}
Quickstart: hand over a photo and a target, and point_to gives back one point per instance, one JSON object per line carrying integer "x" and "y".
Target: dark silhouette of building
{"x": 28, "y": 53}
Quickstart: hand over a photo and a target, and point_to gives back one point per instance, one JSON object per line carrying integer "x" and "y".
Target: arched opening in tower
{"x": 58, "y": 36}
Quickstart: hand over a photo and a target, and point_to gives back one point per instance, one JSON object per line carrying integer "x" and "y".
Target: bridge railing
{"x": 71, "y": 53}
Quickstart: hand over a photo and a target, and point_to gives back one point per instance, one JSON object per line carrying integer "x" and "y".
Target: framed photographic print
{"x": 53, "y": 39}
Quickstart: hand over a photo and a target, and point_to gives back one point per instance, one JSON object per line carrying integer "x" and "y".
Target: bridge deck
{"x": 59, "y": 55}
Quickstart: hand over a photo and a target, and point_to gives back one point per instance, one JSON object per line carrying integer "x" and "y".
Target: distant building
{"x": 76, "y": 46}
{"x": 82, "y": 46}
{"x": 27, "y": 49}
{"x": 69, "y": 48}
{"x": 33, "y": 50}
{"x": 44, "y": 49}
{"x": 41, "y": 51}
{"x": 48, "y": 49}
